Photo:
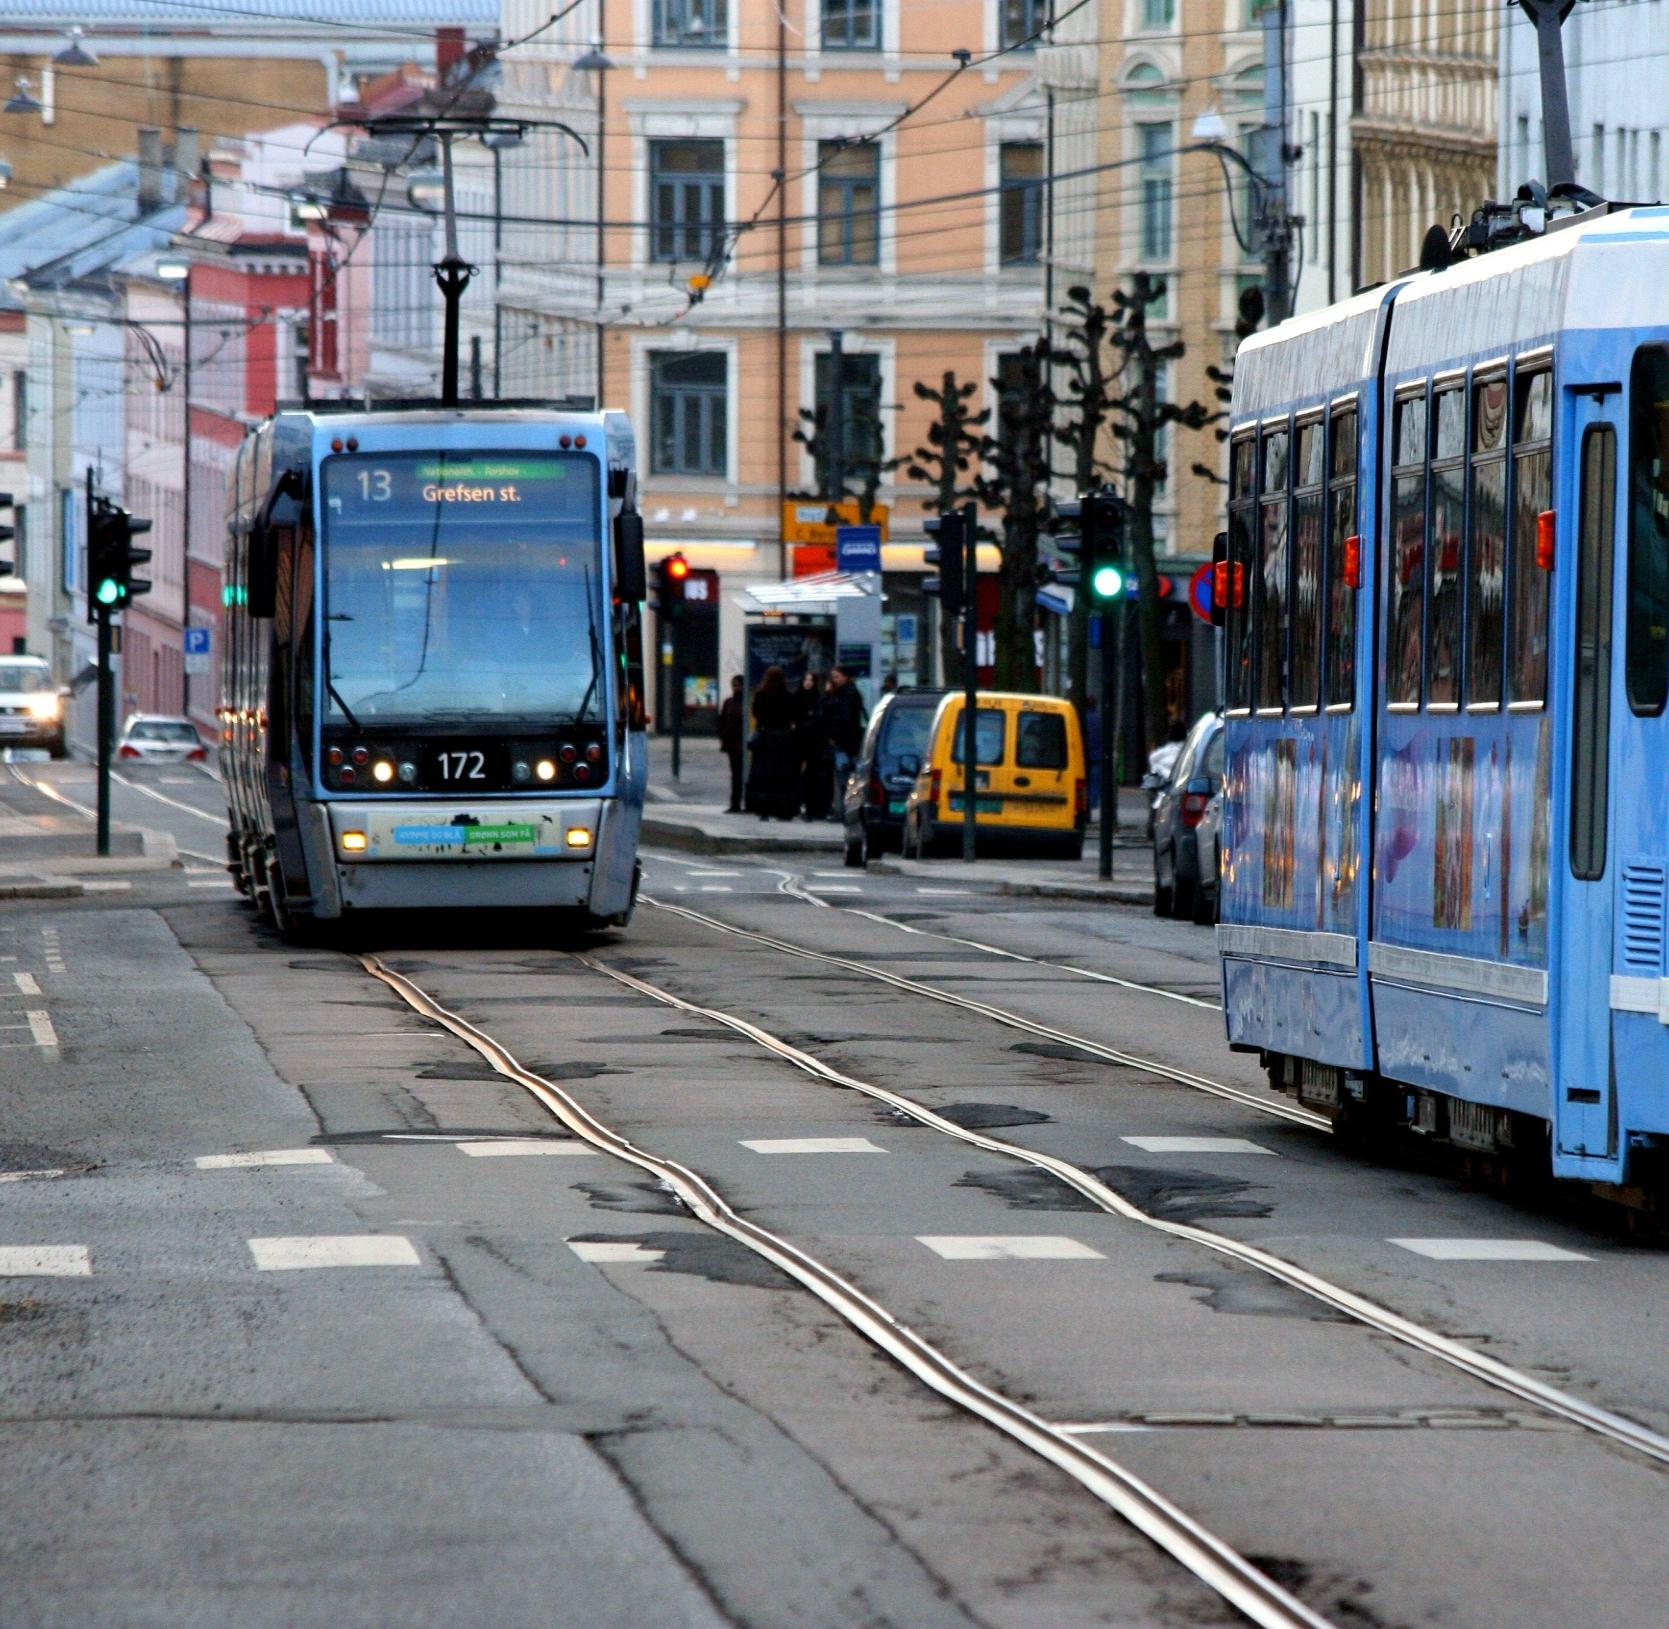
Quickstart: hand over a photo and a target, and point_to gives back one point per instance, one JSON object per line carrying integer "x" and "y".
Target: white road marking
{"x": 613, "y": 1250}
{"x": 44, "y": 1261}
{"x": 334, "y": 1250}
{"x": 1198, "y": 1145}
{"x": 811, "y": 1145}
{"x": 830, "y": 876}
{"x": 834, "y": 888}
{"x": 265, "y": 1156}
{"x": 714, "y": 874}
{"x": 1007, "y": 1247}
{"x": 492, "y": 1148}
{"x": 1107, "y": 1429}
{"x": 40, "y": 1026}
{"x": 26, "y": 983}
{"x": 106, "y": 885}
{"x": 717, "y": 888}
{"x": 29, "y": 1176}
{"x": 1488, "y": 1250}
{"x": 944, "y": 893}
{"x": 207, "y": 882}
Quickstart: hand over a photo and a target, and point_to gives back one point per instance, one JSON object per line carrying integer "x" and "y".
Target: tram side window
{"x": 1527, "y": 583}
{"x": 1242, "y": 486}
{"x": 1408, "y": 542}
{"x": 1448, "y": 494}
{"x": 1646, "y": 663}
{"x": 1307, "y": 507}
{"x": 1273, "y": 566}
{"x": 1341, "y": 597}
{"x": 1486, "y": 545}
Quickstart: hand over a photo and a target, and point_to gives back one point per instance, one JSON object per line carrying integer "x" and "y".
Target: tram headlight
{"x": 382, "y": 772}
{"x": 545, "y": 770}
{"x": 579, "y": 837}
{"x": 353, "y": 842}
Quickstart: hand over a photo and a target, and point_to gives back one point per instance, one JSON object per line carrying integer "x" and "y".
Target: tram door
{"x": 1585, "y": 1067}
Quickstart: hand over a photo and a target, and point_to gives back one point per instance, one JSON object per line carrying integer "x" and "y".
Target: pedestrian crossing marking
{"x": 613, "y": 1251}
{"x": 1488, "y": 1250}
{"x": 1007, "y": 1247}
{"x": 1198, "y": 1145}
{"x": 811, "y": 1145}
{"x": 264, "y": 1156}
{"x": 489, "y": 1148}
{"x": 44, "y": 1261}
{"x": 277, "y": 1255}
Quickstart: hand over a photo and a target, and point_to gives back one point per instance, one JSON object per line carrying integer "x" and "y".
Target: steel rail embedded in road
{"x": 1208, "y": 1558}
{"x": 1502, "y": 1377}
{"x": 1011, "y": 1020}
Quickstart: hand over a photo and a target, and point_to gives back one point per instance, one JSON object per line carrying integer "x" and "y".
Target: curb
{"x": 692, "y": 839}
{"x": 42, "y": 888}
{"x": 1095, "y": 892}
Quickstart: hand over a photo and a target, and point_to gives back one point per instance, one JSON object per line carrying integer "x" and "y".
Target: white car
{"x": 31, "y": 705}
{"x": 161, "y": 738}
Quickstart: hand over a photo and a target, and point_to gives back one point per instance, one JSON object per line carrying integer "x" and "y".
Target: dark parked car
{"x": 894, "y": 747}
{"x": 1179, "y": 806}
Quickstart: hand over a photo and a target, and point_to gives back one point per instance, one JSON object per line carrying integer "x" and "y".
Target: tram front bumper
{"x": 389, "y": 856}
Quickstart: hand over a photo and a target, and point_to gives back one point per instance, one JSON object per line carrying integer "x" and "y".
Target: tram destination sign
{"x": 364, "y": 487}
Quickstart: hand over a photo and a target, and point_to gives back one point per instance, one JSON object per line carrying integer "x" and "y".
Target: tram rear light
{"x": 353, "y": 842}
{"x": 593, "y": 753}
{"x": 579, "y": 441}
{"x": 567, "y": 754}
{"x": 382, "y": 772}
{"x": 1193, "y": 807}
{"x": 1544, "y": 540}
{"x": 579, "y": 837}
{"x": 346, "y": 775}
{"x": 333, "y": 756}
{"x": 336, "y": 444}
{"x": 582, "y": 772}
{"x": 545, "y": 770}
{"x": 1353, "y": 562}
{"x": 361, "y": 756}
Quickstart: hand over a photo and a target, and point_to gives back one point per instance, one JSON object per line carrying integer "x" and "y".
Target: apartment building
{"x": 1425, "y": 129}
{"x": 756, "y": 181}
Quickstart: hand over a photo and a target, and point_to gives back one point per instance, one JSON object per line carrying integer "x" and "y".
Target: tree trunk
{"x": 1143, "y": 469}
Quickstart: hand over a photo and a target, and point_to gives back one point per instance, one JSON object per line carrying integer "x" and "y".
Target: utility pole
{"x": 106, "y": 687}
{"x": 834, "y": 434}
{"x": 1272, "y": 155}
{"x": 1549, "y": 17}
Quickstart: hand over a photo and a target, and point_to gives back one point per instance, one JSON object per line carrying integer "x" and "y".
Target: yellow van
{"x": 1030, "y": 787}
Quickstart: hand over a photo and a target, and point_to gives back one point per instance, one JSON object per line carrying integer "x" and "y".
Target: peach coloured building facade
{"x": 919, "y": 236}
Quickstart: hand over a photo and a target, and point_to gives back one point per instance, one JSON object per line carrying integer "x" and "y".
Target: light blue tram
{"x": 433, "y": 678}
{"x": 1446, "y": 827}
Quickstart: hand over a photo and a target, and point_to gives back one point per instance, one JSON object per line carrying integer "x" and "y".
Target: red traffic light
{"x": 677, "y": 567}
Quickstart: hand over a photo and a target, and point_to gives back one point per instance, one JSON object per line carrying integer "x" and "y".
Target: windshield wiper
{"x": 596, "y": 650}
{"x": 347, "y": 711}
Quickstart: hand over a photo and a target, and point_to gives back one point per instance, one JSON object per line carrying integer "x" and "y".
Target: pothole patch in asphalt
{"x": 990, "y": 1116}
{"x": 1252, "y": 1295}
{"x": 633, "y": 1199}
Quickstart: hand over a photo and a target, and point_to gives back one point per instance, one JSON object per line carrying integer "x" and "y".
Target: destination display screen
{"x": 463, "y": 591}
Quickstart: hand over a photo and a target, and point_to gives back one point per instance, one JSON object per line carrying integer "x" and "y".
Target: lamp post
{"x": 1273, "y": 225}
{"x": 597, "y": 61}
{"x": 177, "y": 269}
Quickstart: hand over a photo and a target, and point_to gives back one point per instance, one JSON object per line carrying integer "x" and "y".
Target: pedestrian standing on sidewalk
{"x": 731, "y": 720}
{"x": 812, "y": 744}
{"x": 844, "y": 716}
{"x": 774, "y": 772}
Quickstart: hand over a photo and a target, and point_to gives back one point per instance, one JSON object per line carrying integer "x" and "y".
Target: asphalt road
{"x": 434, "y": 1358}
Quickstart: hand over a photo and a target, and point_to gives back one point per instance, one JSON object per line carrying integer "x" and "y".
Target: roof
{"x": 80, "y": 230}
{"x": 352, "y": 16}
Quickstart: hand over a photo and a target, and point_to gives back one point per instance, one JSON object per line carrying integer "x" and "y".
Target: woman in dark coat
{"x": 774, "y": 765}
{"x": 811, "y": 742}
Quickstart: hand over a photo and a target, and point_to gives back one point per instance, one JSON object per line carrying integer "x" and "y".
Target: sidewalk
{"x": 47, "y": 847}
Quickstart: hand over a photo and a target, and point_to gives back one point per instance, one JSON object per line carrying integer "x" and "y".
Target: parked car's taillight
{"x": 1080, "y": 796}
{"x": 935, "y": 784}
{"x": 125, "y": 751}
{"x": 196, "y": 755}
{"x": 875, "y": 792}
{"x": 1194, "y": 805}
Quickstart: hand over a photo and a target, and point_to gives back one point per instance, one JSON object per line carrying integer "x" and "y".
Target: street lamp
{"x": 598, "y": 61}
{"x": 176, "y": 268}
{"x": 22, "y": 101}
{"x": 1273, "y": 226}
{"x": 75, "y": 54}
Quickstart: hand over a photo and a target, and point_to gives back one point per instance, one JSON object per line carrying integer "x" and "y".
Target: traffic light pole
{"x": 970, "y": 671}
{"x": 107, "y": 726}
{"x": 1112, "y": 659}
{"x": 676, "y": 700}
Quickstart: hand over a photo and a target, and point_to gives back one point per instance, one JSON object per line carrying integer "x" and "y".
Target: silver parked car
{"x": 160, "y": 738}
{"x": 1208, "y": 845}
{"x": 1179, "y": 805}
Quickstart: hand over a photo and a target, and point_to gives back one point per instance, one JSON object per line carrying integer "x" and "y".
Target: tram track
{"x": 1445, "y": 1349}
{"x": 1220, "y": 1567}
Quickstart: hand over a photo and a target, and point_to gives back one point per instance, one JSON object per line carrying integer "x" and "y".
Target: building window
{"x": 691, "y": 22}
{"x": 851, "y": 25}
{"x": 1021, "y": 202}
{"x": 1154, "y": 147}
{"x": 1021, "y": 21}
{"x": 686, "y": 198}
{"x": 848, "y": 198}
{"x": 687, "y": 410}
{"x": 1158, "y": 13}
{"x": 20, "y": 411}
{"x": 859, "y": 441}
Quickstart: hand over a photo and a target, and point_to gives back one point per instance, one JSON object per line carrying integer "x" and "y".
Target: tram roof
{"x": 1594, "y": 272}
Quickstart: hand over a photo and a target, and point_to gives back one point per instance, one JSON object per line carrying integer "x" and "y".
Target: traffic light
{"x": 949, "y": 552}
{"x": 7, "y": 533}
{"x": 671, "y": 574}
{"x": 1066, "y": 530}
{"x": 1103, "y": 547}
{"x": 111, "y": 558}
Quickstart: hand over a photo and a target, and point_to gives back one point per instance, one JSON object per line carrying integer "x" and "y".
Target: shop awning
{"x": 807, "y": 596}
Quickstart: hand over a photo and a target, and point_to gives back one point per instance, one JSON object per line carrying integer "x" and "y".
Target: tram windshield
{"x": 462, "y": 590}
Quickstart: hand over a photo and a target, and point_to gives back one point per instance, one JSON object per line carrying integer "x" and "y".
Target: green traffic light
{"x": 108, "y": 591}
{"x": 1107, "y": 583}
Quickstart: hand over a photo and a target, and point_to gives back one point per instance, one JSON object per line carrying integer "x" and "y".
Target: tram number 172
{"x": 462, "y": 766}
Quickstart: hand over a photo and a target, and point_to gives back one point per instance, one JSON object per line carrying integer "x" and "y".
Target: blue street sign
{"x": 857, "y": 548}
{"x": 197, "y": 641}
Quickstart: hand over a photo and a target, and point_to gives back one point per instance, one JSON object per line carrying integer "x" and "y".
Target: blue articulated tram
{"x": 432, "y": 685}
{"x": 1446, "y": 823}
